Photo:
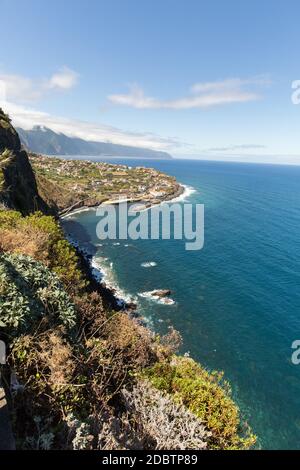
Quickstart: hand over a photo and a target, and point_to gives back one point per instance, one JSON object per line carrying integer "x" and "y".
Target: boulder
{"x": 161, "y": 293}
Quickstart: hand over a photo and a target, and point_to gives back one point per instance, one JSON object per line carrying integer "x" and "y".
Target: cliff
{"x": 18, "y": 187}
{"x": 83, "y": 375}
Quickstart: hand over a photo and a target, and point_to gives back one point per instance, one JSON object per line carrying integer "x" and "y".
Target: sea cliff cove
{"x": 149, "y": 231}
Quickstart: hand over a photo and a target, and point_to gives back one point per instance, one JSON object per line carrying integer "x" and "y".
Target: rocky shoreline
{"x": 108, "y": 294}
{"x": 96, "y": 282}
{"x": 145, "y": 200}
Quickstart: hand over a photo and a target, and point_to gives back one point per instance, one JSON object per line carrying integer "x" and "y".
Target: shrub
{"x": 9, "y": 219}
{"x": 4, "y": 124}
{"x": 80, "y": 434}
{"x": 149, "y": 420}
{"x": 168, "y": 344}
{"x": 160, "y": 423}
{"x": 44, "y": 367}
{"x": 133, "y": 341}
{"x": 91, "y": 314}
{"x": 6, "y": 155}
{"x": 28, "y": 241}
{"x": 207, "y": 396}
{"x": 41, "y": 237}
{"x": 30, "y": 292}
{"x": 59, "y": 378}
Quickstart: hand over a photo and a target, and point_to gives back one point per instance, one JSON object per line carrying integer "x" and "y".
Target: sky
{"x": 207, "y": 79}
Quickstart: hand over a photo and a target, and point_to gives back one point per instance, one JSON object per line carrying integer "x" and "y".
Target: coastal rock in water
{"x": 161, "y": 296}
{"x": 161, "y": 293}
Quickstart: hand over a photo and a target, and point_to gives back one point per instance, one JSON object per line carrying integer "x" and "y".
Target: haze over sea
{"x": 237, "y": 301}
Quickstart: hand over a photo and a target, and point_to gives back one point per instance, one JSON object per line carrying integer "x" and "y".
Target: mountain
{"x": 44, "y": 140}
{"x": 18, "y": 186}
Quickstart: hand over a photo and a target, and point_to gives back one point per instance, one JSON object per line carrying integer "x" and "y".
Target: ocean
{"x": 236, "y": 301}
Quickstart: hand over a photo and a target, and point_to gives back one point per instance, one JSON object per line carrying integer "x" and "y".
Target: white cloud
{"x": 18, "y": 88}
{"x": 22, "y": 89}
{"x": 28, "y": 118}
{"x": 238, "y": 148}
{"x": 202, "y": 95}
{"x": 230, "y": 84}
{"x": 64, "y": 79}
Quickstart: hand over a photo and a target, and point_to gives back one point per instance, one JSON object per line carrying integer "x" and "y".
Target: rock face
{"x": 18, "y": 188}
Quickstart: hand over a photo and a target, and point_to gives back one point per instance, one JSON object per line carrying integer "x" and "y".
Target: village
{"x": 89, "y": 183}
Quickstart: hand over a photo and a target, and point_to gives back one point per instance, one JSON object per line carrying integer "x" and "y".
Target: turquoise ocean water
{"x": 237, "y": 301}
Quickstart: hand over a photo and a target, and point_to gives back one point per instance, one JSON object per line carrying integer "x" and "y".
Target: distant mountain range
{"x": 45, "y": 141}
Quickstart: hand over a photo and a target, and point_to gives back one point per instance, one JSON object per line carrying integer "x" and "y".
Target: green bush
{"x": 9, "y": 219}
{"x": 206, "y": 395}
{"x": 29, "y": 292}
{"x": 60, "y": 256}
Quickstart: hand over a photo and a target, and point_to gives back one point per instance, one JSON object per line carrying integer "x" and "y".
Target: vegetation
{"x": 80, "y": 369}
{"x": 5, "y": 159}
{"x": 207, "y": 396}
{"x": 5, "y": 121}
{"x": 42, "y": 238}
{"x": 160, "y": 422}
{"x": 29, "y": 292}
{"x": 78, "y": 375}
{"x": 90, "y": 183}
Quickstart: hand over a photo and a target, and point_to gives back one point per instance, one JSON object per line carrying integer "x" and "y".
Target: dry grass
{"x": 47, "y": 356}
{"x": 132, "y": 339}
{"x": 25, "y": 240}
{"x": 169, "y": 344}
{"x": 56, "y": 354}
{"x": 91, "y": 315}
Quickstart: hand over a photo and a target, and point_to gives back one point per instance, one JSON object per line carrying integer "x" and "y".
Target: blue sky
{"x": 209, "y": 79}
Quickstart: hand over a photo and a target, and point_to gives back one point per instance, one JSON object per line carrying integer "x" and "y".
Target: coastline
{"x": 98, "y": 276}
{"x": 97, "y": 282}
{"x": 182, "y": 193}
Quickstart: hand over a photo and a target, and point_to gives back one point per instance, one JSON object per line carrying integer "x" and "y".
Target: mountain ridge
{"x": 44, "y": 140}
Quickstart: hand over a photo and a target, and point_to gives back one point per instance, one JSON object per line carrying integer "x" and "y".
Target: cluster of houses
{"x": 105, "y": 179}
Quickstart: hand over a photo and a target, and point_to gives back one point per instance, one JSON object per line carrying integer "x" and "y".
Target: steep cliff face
{"x": 18, "y": 187}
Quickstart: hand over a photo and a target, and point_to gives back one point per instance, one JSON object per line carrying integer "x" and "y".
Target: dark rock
{"x": 18, "y": 186}
{"x": 131, "y": 306}
{"x": 161, "y": 293}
